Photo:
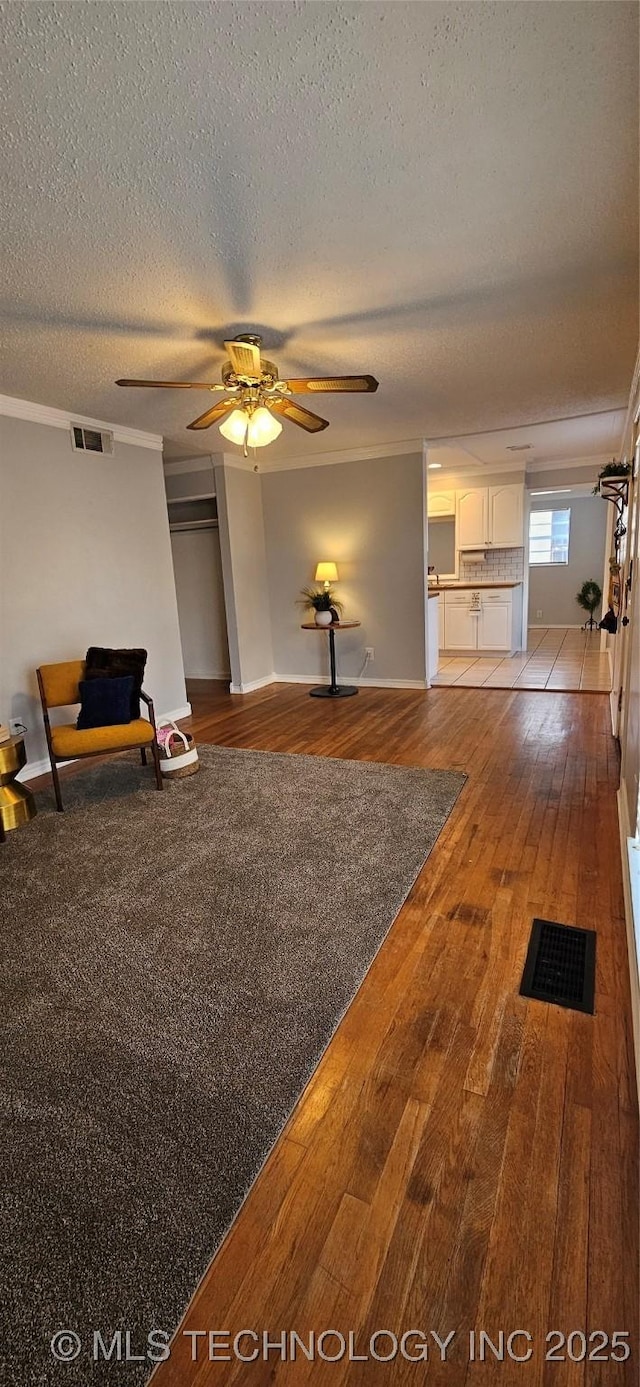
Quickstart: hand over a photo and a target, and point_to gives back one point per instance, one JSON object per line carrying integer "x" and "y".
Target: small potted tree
{"x": 325, "y": 604}
{"x": 589, "y": 597}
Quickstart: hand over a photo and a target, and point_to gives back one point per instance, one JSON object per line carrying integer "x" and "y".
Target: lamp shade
{"x": 326, "y": 573}
{"x": 258, "y": 428}
{"x": 263, "y": 428}
{"x": 235, "y": 427}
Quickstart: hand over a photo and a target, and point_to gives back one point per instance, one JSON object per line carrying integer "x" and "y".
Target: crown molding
{"x": 631, "y": 417}
{"x": 526, "y": 470}
{"x": 375, "y": 450}
{"x": 203, "y": 462}
{"x": 475, "y": 473}
{"x": 63, "y": 419}
{"x": 559, "y": 464}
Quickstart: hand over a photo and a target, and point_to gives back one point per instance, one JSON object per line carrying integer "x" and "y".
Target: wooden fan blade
{"x": 173, "y": 384}
{"x": 297, "y": 414}
{"x": 324, "y": 383}
{"x": 245, "y": 359}
{"x": 218, "y": 412}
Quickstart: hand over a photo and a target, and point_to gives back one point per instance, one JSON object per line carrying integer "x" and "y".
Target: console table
{"x": 333, "y": 689}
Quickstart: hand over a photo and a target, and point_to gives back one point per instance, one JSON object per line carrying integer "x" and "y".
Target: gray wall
{"x": 85, "y": 559}
{"x": 244, "y": 570}
{"x": 199, "y": 482}
{"x": 367, "y": 517}
{"x": 553, "y": 589}
{"x": 199, "y": 589}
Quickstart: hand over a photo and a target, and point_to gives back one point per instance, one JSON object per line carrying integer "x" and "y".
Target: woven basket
{"x": 179, "y": 756}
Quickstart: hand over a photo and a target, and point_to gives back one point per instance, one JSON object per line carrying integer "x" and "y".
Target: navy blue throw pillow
{"x": 102, "y": 662}
{"x": 105, "y": 702}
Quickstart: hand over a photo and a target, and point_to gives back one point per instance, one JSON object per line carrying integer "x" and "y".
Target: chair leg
{"x": 143, "y": 755}
{"x": 156, "y": 761}
{"x": 56, "y": 787}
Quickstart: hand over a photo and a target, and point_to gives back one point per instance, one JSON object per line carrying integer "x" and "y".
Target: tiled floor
{"x": 554, "y": 659}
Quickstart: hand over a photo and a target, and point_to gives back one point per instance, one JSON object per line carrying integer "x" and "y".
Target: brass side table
{"x": 17, "y": 804}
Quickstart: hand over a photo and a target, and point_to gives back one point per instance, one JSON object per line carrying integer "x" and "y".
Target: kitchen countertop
{"x": 435, "y": 588}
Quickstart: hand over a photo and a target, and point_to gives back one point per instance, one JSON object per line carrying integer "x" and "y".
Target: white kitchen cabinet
{"x": 482, "y": 619}
{"x": 441, "y": 502}
{"x": 441, "y": 621}
{"x": 460, "y": 628}
{"x": 494, "y": 626}
{"x": 471, "y": 517}
{"x": 490, "y": 517}
{"x": 505, "y": 516}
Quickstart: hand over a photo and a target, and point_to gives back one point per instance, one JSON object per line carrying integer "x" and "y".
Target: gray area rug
{"x": 174, "y": 966}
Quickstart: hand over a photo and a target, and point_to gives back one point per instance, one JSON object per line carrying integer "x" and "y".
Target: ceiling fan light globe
{"x": 235, "y": 427}
{"x": 263, "y": 428}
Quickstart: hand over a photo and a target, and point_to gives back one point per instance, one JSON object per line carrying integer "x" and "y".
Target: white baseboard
{"x": 35, "y": 768}
{"x": 556, "y": 626}
{"x": 253, "y": 684}
{"x": 479, "y": 654}
{"x": 631, "y": 890}
{"x": 175, "y": 714}
{"x": 359, "y": 681}
{"x": 392, "y": 683}
{"x": 198, "y": 678}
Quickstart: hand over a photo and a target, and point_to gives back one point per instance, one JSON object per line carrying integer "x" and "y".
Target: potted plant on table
{"x": 325, "y": 604}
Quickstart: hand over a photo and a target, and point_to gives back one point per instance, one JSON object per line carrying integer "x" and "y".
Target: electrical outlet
{"x": 370, "y": 652}
{"x": 539, "y": 611}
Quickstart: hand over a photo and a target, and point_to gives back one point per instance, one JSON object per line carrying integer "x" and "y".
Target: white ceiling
{"x": 442, "y": 194}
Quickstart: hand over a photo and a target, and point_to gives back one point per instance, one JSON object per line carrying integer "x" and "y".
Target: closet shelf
{"x": 201, "y": 496}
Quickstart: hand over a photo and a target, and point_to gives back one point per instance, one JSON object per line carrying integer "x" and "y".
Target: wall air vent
{"x": 519, "y": 447}
{"x": 91, "y": 440}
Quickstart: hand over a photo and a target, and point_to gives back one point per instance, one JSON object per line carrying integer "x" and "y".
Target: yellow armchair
{"x": 58, "y": 685}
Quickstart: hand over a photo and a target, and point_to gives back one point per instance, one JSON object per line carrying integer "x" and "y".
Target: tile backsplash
{"x": 503, "y": 565}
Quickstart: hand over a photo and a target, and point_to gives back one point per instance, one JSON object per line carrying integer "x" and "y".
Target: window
{"x": 549, "y": 536}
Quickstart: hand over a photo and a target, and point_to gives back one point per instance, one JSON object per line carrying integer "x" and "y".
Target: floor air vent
{"x": 560, "y": 966}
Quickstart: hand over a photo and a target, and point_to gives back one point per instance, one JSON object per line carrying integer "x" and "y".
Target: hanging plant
{"x": 612, "y": 470}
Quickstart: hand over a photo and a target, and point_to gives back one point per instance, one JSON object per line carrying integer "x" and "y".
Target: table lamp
{"x": 326, "y": 573}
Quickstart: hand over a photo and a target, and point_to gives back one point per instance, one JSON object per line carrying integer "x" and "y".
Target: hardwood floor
{"x": 463, "y": 1158}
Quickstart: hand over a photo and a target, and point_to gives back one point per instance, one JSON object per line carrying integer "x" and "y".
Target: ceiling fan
{"x": 254, "y": 394}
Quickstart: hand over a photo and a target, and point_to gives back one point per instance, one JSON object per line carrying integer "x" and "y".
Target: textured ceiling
{"x": 442, "y": 194}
